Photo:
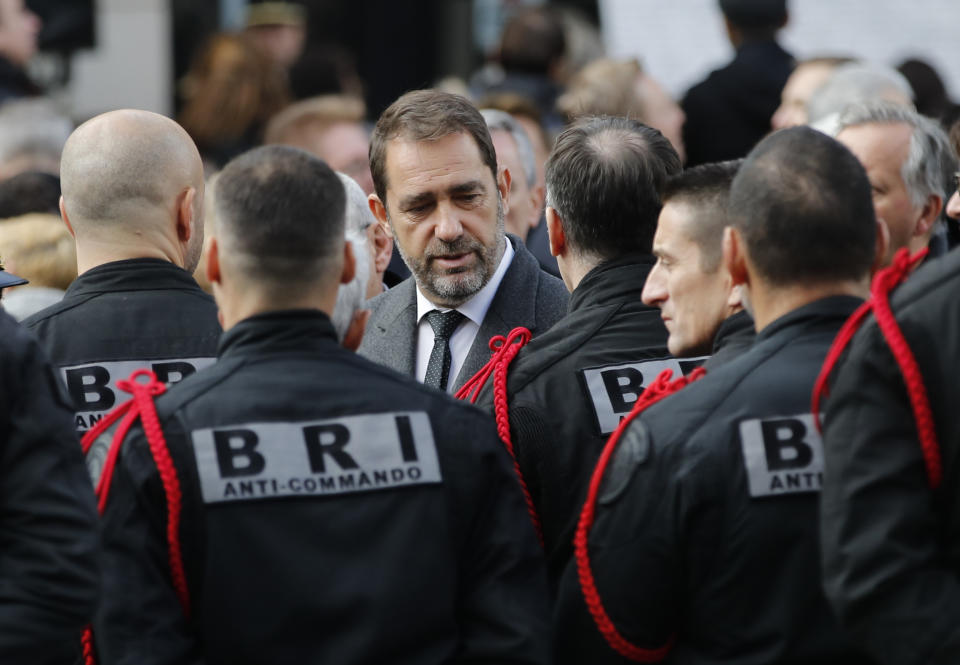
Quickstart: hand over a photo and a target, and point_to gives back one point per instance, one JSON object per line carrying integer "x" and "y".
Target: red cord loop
{"x": 505, "y": 349}
{"x": 660, "y": 388}
{"x": 141, "y": 406}
{"x": 879, "y": 303}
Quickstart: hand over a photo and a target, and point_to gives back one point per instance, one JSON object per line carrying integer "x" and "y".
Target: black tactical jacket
{"x": 891, "y": 544}
{"x": 706, "y": 530}
{"x": 569, "y": 388}
{"x": 49, "y": 544}
{"x": 124, "y": 316}
{"x": 334, "y": 511}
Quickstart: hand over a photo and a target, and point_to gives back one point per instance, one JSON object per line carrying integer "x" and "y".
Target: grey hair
{"x": 853, "y": 83}
{"x": 352, "y": 296}
{"x": 359, "y": 215}
{"x": 33, "y": 128}
{"x": 931, "y": 161}
{"x": 503, "y": 121}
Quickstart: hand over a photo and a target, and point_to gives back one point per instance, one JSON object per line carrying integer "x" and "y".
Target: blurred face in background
{"x": 525, "y": 204}
{"x": 661, "y": 112}
{"x": 804, "y": 80}
{"x": 19, "y": 28}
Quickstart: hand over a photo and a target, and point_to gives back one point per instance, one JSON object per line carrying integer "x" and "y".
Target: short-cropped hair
{"x": 803, "y": 205}
{"x": 706, "y": 190}
{"x": 427, "y": 115}
{"x": 604, "y": 179}
{"x": 930, "y": 162}
{"x": 280, "y": 214}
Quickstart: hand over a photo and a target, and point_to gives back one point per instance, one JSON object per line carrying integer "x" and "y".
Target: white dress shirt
{"x": 474, "y": 309}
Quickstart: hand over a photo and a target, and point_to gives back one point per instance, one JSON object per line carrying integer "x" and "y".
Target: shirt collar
{"x": 476, "y": 307}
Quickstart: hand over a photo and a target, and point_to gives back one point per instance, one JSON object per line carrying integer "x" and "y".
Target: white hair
{"x": 854, "y": 83}
{"x": 930, "y": 163}
{"x": 352, "y": 296}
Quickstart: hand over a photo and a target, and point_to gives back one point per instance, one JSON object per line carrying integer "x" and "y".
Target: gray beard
{"x": 455, "y": 287}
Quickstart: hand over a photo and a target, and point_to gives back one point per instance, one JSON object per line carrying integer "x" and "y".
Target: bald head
{"x": 124, "y": 169}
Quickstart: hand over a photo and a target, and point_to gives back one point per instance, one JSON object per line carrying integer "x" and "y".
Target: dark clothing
{"x": 538, "y": 242}
{"x": 321, "y": 524}
{"x": 734, "y": 336}
{"x": 120, "y": 317}
{"x": 730, "y": 111}
{"x": 49, "y": 545}
{"x": 570, "y": 386}
{"x": 14, "y": 82}
{"x": 706, "y": 526}
{"x": 891, "y": 549}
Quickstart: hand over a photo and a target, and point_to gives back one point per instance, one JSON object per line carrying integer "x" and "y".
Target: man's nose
{"x": 655, "y": 289}
{"x": 448, "y": 227}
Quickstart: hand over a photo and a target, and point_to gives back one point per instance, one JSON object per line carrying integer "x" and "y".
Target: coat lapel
{"x": 513, "y": 305}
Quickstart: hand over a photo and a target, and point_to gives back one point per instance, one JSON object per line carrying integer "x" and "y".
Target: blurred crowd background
{"x": 317, "y": 73}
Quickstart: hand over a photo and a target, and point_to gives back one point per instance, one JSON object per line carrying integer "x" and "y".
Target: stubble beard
{"x": 453, "y": 287}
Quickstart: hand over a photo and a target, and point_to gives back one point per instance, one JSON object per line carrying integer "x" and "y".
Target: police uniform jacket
{"x": 734, "y": 336}
{"x": 49, "y": 546}
{"x": 570, "y": 386}
{"x": 891, "y": 544}
{"x": 120, "y": 317}
{"x": 706, "y": 530}
{"x": 320, "y": 522}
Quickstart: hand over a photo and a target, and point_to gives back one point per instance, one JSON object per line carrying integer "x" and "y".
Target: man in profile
{"x": 689, "y": 282}
{"x": 441, "y": 196}
{"x": 910, "y": 162}
{"x": 133, "y": 188}
{"x": 515, "y": 155}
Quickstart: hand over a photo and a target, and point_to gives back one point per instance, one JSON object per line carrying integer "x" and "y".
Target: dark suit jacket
{"x": 527, "y": 297}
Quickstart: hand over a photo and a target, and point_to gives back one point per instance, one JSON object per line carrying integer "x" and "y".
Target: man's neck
{"x": 94, "y": 252}
{"x": 769, "y": 303}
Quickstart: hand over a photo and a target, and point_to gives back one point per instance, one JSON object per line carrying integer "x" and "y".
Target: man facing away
{"x": 441, "y": 197}
{"x": 133, "y": 199}
{"x": 319, "y": 522}
{"x": 569, "y": 388}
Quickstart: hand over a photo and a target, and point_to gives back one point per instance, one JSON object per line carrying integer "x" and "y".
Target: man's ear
{"x": 504, "y": 178}
{"x": 213, "y": 262}
{"x": 66, "y": 220}
{"x": 349, "y": 264}
{"x": 382, "y": 247}
{"x": 928, "y": 215}
{"x": 185, "y": 215}
{"x": 379, "y": 211}
{"x": 537, "y": 195}
{"x": 734, "y": 257}
{"x": 555, "y": 235}
{"x": 882, "y": 252}
{"x": 354, "y": 334}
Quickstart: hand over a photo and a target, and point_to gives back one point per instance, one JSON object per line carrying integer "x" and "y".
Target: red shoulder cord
{"x": 504, "y": 349}
{"x": 660, "y": 388}
{"x": 141, "y": 405}
{"x": 883, "y": 283}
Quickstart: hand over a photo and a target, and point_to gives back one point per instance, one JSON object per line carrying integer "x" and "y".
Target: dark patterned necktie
{"x": 443, "y": 324}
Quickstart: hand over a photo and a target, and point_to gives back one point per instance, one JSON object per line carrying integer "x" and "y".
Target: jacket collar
{"x": 301, "y": 330}
{"x": 131, "y": 275}
{"x": 615, "y": 281}
{"x": 824, "y": 314}
{"x": 732, "y": 329}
